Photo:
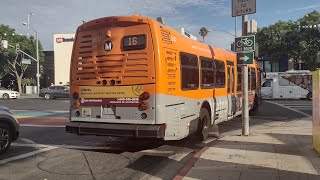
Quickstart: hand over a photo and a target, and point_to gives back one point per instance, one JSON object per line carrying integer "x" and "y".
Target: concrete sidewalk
{"x": 29, "y": 96}
{"x": 274, "y": 150}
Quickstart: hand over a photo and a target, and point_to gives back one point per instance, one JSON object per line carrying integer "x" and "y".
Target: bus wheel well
{"x": 255, "y": 107}
{"x": 207, "y": 106}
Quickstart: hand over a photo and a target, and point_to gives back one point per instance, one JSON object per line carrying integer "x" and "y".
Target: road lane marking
{"x": 22, "y": 156}
{"x": 289, "y": 108}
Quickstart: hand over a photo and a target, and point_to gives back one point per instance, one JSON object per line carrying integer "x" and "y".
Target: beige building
{"x": 62, "y": 46}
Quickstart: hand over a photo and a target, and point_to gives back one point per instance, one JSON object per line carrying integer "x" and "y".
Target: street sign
{"x": 245, "y": 58}
{"x": 243, "y": 7}
{"x": 245, "y": 43}
{"x": 26, "y": 61}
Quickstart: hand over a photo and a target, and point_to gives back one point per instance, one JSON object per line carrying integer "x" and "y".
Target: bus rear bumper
{"x": 119, "y": 130}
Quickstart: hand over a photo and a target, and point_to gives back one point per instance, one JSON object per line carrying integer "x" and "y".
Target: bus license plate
{"x": 107, "y": 111}
{"x": 86, "y": 112}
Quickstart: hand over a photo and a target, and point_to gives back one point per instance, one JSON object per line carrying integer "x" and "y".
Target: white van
{"x": 294, "y": 84}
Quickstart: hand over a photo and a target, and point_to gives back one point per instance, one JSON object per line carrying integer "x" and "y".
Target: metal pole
{"x": 38, "y": 66}
{"x": 28, "y": 19}
{"x": 235, "y": 28}
{"x": 245, "y": 90}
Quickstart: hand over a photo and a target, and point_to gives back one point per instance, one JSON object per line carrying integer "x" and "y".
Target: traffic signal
{"x": 41, "y": 69}
{"x": 17, "y": 47}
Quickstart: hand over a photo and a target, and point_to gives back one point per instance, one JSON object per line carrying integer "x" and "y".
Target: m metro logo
{"x": 108, "y": 46}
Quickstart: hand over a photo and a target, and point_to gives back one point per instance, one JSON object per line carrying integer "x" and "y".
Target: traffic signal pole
{"x": 245, "y": 89}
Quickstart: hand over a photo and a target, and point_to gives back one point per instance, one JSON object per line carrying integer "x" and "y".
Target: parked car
{"x": 8, "y": 94}
{"x": 9, "y": 129}
{"x": 53, "y": 92}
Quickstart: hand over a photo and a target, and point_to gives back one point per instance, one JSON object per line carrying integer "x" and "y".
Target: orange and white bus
{"x": 132, "y": 76}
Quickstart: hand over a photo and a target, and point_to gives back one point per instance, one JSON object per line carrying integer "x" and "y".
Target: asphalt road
{"x": 45, "y": 151}
{"x": 37, "y": 104}
{"x": 300, "y": 105}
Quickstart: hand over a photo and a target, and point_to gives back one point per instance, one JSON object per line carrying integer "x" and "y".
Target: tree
{"x": 307, "y": 44}
{"x": 270, "y": 40}
{"x": 296, "y": 40}
{"x": 11, "y": 59}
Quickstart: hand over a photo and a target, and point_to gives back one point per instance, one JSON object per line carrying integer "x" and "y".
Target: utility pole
{"x": 37, "y": 46}
{"x": 245, "y": 54}
{"x": 245, "y": 89}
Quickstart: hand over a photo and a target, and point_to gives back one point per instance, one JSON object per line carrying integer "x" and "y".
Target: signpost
{"x": 243, "y": 7}
{"x": 245, "y": 58}
{"x": 245, "y": 43}
{"x": 25, "y": 61}
{"x": 245, "y": 46}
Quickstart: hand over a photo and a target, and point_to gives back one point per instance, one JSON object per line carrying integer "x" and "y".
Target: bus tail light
{"x": 75, "y": 95}
{"x": 143, "y": 106}
{"x": 76, "y": 104}
{"x": 144, "y": 96}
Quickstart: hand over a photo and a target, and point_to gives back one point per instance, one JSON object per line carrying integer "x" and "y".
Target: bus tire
{"x": 204, "y": 124}
{"x": 255, "y": 107}
{"x": 309, "y": 96}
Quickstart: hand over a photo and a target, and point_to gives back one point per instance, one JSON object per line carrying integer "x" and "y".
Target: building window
{"x": 189, "y": 71}
{"x": 207, "y": 73}
{"x": 220, "y": 74}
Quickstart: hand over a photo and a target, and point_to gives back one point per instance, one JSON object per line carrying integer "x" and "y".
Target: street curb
{"x": 186, "y": 168}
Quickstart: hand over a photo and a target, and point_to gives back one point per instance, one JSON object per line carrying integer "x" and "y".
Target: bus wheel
{"x": 204, "y": 124}
{"x": 255, "y": 107}
{"x": 309, "y": 96}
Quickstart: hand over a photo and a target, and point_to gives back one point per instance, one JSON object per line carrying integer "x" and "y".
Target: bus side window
{"x": 189, "y": 71}
{"x": 220, "y": 74}
{"x": 207, "y": 73}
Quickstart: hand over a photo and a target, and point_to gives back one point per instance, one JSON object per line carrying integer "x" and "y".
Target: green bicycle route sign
{"x": 245, "y": 43}
{"x": 245, "y": 58}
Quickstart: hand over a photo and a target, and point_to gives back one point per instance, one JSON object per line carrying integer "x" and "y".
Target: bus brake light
{"x": 144, "y": 96}
{"x": 143, "y": 106}
{"x": 76, "y": 104}
{"x": 75, "y": 95}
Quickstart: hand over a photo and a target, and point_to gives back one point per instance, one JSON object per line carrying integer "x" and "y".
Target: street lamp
{"x": 37, "y": 39}
{"x": 222, "y": 31}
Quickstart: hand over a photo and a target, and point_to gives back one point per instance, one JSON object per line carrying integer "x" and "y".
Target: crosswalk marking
{"x": 298, "y": 106}
{"x": 293, "y": 108}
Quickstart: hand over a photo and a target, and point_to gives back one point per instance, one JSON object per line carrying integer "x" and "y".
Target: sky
{"x": 64, "y": 16}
